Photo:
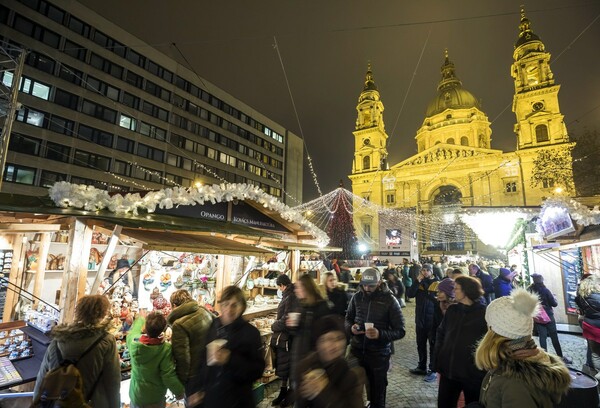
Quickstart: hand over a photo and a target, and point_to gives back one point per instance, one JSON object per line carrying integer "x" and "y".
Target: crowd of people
{"x": 474, "y": 335}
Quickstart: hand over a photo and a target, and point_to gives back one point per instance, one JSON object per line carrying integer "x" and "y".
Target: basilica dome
{"x": 451, "y": 94}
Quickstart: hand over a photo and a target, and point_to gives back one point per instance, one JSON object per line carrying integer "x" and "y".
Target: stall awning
{"x": 297, "y": 245}
{"x": 172, "y": 241}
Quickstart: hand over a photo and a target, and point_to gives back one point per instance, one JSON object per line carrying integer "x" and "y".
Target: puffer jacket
{"x": 425, "y": 302}
{"x": 536, "y": 382}
{"x": 547, "y": 299}
{"x": 502, "y": 286}
{"x": 487, "y": 283}
{"x": 189, "y": 323}
{"x": 456, "y": 340}
{"x": 152, "y": 368}
{"x": 102, "y": 362}
{"x": 383, "y": 310}
{"x": 589, "y": 307}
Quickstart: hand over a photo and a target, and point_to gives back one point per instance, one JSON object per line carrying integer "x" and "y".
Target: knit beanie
{"x": 504, "y": 272}
{"x": 447, "y": 286}
{"x": 537, "y": 278}
{"x": 512, "y": 316}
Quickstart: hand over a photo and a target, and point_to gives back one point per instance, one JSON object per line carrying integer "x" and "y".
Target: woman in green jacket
{"x": 152, "y": 366}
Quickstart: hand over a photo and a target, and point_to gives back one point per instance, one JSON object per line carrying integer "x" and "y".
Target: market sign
{"x": 555, "y": 221}
{"x": 213, "y": 212}
{"x": 244, "y": 214}
{"x": 569, "y": 261}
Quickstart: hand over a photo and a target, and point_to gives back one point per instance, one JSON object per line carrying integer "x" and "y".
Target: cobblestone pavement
{"x": 406, "y": 390}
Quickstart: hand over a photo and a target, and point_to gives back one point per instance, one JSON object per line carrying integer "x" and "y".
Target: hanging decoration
{"x": 578, "y": 212}
{"x": 93, "y": 199}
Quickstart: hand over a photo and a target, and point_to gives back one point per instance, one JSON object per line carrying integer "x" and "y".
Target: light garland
{"x": 93, "y": 199}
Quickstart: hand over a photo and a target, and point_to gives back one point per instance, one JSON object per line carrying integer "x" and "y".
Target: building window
{"x": 510, "y": 186}
{"x": 70, "y": 74}
{"x": 450, "y": 141}
{"x": 366, "y": 229}
{"x": 19, "y": 174}
{"x": 152, "y": 131}
{"x": 95, "y": 161}
{"x": 127, "y": 122}
{"x": 547, "y": 183}
{"x": 40, "y": 62}
{"x": 58, "y": 152}
{"x": 75, "y": 50}
{"x": 390, "y": 198}
{"x": 150, "y": 152}
{"x": 28, "y": 86}
{"x": 49, "y": 178}
{"x": 131, "y": 101}
{"x": 79, "y": 27}
{"x": 31, "y": 117}
{"x": 99, "y": 111}
{"x": 541, "y": 133}
{"x": 61, "y": 125}
{"x": 366, "y": 162}
{"x": 66, "y": 99}
{"x": 96, "y": 136}
{"x": 125, "y": 145}
{"x": 102, "y": 88}
{"x": 24, "y": 144}
{"x": 464, "y": 141}
{"x": 122, "y": 168}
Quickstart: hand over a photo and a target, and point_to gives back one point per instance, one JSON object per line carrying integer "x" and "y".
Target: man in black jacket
{"x": 373, "y": 321}
{"x": 424, "y": 309}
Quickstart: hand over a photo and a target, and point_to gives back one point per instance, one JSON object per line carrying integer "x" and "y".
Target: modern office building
{"x": 98, "y": 106}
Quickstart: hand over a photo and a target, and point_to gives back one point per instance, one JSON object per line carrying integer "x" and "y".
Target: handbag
{"x": 542, "y": 317}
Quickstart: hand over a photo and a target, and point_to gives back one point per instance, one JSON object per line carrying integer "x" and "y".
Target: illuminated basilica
{"x": 456, "y": 166}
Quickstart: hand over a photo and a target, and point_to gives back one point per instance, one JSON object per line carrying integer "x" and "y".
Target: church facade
{"x": 456, "y": 165}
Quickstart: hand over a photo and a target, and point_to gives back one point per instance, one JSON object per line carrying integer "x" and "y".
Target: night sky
{"x": 325, "y": 46}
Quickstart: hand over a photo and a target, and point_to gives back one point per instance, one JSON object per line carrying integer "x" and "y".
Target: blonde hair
{"x": 589, "y": 285}
{"x": 492, "y": 349}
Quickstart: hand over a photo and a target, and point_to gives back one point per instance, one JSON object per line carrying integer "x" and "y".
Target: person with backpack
{"x": 83, "y": 354}
{"x": 152, "y": 365}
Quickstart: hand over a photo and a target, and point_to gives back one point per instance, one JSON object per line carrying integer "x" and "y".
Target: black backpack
{"x": 62, "y": 387}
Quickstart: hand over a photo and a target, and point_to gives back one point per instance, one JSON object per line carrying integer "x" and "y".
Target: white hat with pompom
{"x": 512, "y": 316}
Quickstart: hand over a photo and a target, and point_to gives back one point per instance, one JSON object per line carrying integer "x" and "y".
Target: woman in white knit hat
{"x": 519, "y": 373}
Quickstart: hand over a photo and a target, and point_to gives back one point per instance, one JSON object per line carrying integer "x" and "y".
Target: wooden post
{"x": 73, "y": 262}
{"x": 16, "y": 273}
{"x": 108, "y": 253}
{"x": 40, "y": 274}
{"x": 84, "y": 262}
{"x": 295, "y": 264}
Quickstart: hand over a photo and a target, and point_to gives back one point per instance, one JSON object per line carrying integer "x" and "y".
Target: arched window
{"x": 450, "y": 141}
{"x": 464, "y": 141}
{"x": 438, "y": 142}
{"x": 541, "y": 133}
{"x": 366, "y": 162}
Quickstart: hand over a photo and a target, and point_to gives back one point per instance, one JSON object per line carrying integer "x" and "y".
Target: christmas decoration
{"x": 92, "y": 199}
{"x": 577, "y": 211}
{"x": 553, "y": 168}
{"x": 341, "y": 228}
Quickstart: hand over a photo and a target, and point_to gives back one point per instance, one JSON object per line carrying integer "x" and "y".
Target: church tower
{"x": 535, "y": 103}
{"x": 370, "y": 139}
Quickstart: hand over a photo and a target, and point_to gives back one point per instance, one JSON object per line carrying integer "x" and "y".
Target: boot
{"x": 281, "y": 397}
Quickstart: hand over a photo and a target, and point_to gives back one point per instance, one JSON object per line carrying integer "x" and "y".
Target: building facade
{"x": 456, "y": 165}
{"x": 98, "y": 106}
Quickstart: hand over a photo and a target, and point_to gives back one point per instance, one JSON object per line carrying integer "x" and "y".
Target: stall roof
{"x": 169, "y": 241}
{"x": 298, "y": 245}
{"x": 43, "y": 210}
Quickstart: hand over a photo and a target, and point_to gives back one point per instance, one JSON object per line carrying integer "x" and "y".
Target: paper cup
{"x": 368, "y": 326}
{"x": 294, "y": 318}
{"x": 211, "y": 350}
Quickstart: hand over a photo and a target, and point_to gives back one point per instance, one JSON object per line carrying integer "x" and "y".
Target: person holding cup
{"x": 373, "y": 321}
{"x": 325, "y": 378}
{"x": 301, "y": 322}
{"x": 234, "y": 358}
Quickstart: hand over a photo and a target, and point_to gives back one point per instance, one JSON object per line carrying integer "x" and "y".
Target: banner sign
{"x": 213, "y": 212}
{"x": 569, "y": 262}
